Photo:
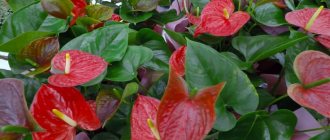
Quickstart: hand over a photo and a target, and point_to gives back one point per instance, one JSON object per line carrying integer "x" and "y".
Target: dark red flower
{"x": 180, "y": 115}
{"x": 78, "y": 10}
{"x": 177, "y": 60}
{"x": 320, "y": 24}
{"x": 59, "y": 111}
{"x": 219, "y": 19}
{"x": 79, "y": 68}
{"x": 324, "y": 40}
{"x": 311, "y": 67}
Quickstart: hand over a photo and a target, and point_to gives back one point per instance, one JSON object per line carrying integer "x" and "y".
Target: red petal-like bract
{"x": 214, "y": 22}
{"x": 300, "y": 18}
{"x": 144, "y": 108}
{"x": 181, "y": 117}
{"x": 312, "y": 66}
{"x": 324, "y": 40}
{"x": 115, "y": 17}
{"x": 193, "y": 19}
{"x": 68, "y": 101}
{"x": 84, "y": 68}
{"x": 177, "y": 60}
{"x": 78, "y": 10}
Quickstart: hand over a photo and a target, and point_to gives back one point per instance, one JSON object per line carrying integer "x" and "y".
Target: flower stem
{"x": 317, "y": 83}
{"x": 315, "y": 129}
{"x": 278, "y": 99}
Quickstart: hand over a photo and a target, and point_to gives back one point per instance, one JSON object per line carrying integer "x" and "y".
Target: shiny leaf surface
{"x": 109, "y": 42}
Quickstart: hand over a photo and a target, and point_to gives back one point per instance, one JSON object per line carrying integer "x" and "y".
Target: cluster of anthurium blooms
{"x": 59, "y": 110}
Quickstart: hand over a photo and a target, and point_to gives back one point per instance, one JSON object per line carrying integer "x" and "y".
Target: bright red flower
{"x": 115, "y": 17}
{"x": 177, "y": 60}
{"x": 219, "y": 19}
{"x": 59, "y": 110}
{"x": 310, "y": 67}
{"x": 81, "y": 68}
{"x": 193, "y": 19}
{"x": 319, "y": 25}
{"x": 179, "y": 116}
{"x": 78, "y": 10}
{"x": 324, "y": 40}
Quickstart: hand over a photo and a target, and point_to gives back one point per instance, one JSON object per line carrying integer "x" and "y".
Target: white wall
{"x": 4, "y": 64}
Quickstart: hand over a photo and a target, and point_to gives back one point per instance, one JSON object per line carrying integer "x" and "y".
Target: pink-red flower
{"x": 219, "y": 19}
{"x": 74, "y": 67}
{"x": 314, "y": 20}
{"x": 313, "y": 71}
{"x": 177, "y": 60}
{"x": 179, "y": 115}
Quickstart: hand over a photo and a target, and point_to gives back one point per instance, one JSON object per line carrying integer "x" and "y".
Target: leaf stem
{"x": 278, "y": 99}
{"x": 315, "y": 129}
{"x": 317, "y": 83}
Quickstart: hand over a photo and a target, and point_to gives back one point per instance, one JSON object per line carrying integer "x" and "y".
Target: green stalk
{"x": 278, "y": 99}
{"x": 315, "y": 129}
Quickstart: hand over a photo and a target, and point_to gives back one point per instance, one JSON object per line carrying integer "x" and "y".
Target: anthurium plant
{"x": 165, "y": 70}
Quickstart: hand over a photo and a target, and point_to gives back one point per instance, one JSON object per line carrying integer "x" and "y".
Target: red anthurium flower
{"x": 59, "y": 110}
{"x": 311, "y": 19}
{"x": 74, "y": 67}
{"x": 115, "y": 17}
{"x": 193, "y": 19}
{"x": 313, "y": 70}
{"x": 177, "y": 60}
{"x": 218, "y": 18}
{"x": 179, "y": 115}
{"x": 78, "y": 10}
{"x": 324, "y": 40}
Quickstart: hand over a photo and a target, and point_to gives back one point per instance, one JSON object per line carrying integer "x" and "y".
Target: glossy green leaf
{"x": 262, "y": 126}
{"x": 290, "y": 4}
{"x": 156, "y": 43}
{"x": 269, "y": 14}
{"x": 16, "y": 5}
{"x": 133, "y": 16}
{"x": 323, "y": 136}
{"x": 166, "y": 17}
{"x": 58, "y": 8}
{"x": 99, "y": 12}
{"x": 143, "y": 5}
{"x": 105, "y": 136}
{"x": 164, "y": 2}
{"x": 29, "y": 19}
{"x": 199, "y": 3}
{"x": 255, "y": 48}
{"x": 126, "y": 69}
{"x": 205, "y": 67}
{"x": 306, "y": 4}
{"x": 109, "y": 42}
{"x": 177, "y": 37}
{"x": 14, "y": 129}
{"x": 130, "y": 89}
